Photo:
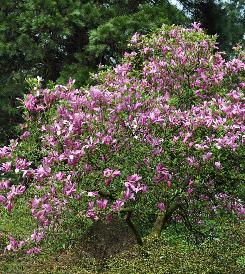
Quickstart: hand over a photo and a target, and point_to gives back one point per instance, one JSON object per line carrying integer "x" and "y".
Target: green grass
{"x": 175, "y": 252}
{"x": 19, "y": 222}
{"x": 224, "y": 255}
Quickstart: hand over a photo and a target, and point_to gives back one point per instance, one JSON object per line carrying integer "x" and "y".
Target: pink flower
{"x": 60, "y": 176}
{"x": 169, "y": 184}
{"x": 146, "y": 50}
{"x": 107, "y": 140}
{"x": 109, "y": 218}
{"x": 207, "y": 156}
{"x": 162, "y": 173}
{"x": 161, "y": 206}
{"x": 117, "y": 205}
{"x": 42, "y": 172}
{"x": 196, "y": 26}
{"x": 92, "y": 215}
{"x": 5, "y": 152}
{"x": 9, "y": 206}
{"x": 25, "y": 135}
{"x": 14, "y": 244}
{"x": 38, "y": 187}
{"x": 6, "y": 167}
{"x": 30, "y": 102}
{"x": 144, "y": 188}
{"x": 69, "y": 188}
{"x": 15, "y": 191}
{"x": 47, "y": 208}
{"x": 116, "y": 173}
{"x": 53, "y": 190}
{"x": 87, "y": 168}
{"x": 128, "y": 194}
{"x": 90, "y": 205}
{"x": 35, "y": 202}
{"x": 21, "y": 164}
{"x": 242, "y": 211}
{"x": 102, "y": 204}
{"x": 189, "y": 190}
{"x": 93, "y": 193}
{"x": 37, "y": 236}
{"x": 134, "y": 178}
{"x": 34, "y": 250}
{"x": 235, "y": 94}
{"x": 3, "y": 199}
{"x": 191, "y": 160}
{"x": 28, "y": 173}
{"x": 135, "y": 38}
{"x": 108, "y": 172}
{"x": 218, "y": 165}
{"x": 4, "y": 184}
{"x": 78, "y": 197}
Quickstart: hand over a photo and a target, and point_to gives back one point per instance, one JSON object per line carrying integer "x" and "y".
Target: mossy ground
{"x": 222, "y": 255}
{"x": 111, "y": 248}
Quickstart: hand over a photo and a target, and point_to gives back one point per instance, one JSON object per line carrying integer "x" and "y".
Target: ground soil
{"x": 105, "y": 239}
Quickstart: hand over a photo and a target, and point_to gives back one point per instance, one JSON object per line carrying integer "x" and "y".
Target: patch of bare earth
{"x": 102, "y": 240}
{"x": 105, "y": 239}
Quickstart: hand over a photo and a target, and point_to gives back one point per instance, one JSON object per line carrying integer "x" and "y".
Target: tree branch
{"x": 162, "y": 219}
{"x": 133, "y": 227}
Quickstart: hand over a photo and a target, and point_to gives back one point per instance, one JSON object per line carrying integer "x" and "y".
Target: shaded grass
{"x": 67, "y": 251}
{"x": 225, "y": 254}
{"x": 18, "y": 222}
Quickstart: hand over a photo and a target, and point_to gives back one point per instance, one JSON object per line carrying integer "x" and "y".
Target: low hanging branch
{"x": 133, "y": 227}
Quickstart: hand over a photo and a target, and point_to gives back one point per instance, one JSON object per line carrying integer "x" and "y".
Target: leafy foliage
{"x": 59, "y": 39}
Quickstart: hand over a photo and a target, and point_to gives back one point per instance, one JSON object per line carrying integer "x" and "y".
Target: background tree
{"x": 57, "y": 39}
{"x": 225, "y": 18}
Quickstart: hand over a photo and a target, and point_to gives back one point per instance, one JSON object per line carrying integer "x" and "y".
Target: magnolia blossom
{"x": 218, "y": 165}
{"x": 102, "y": 204}
{"x": 117, "y": 205}
{"x": 37, "y": 236}
{"x": 25, "y": 135}
{"x": 34, "y": 250}
{"x": 6, "y": 167}
{"x": 161, "y": 206}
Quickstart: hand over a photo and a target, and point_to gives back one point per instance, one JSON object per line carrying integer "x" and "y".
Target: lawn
{"x": 111, "y": 248}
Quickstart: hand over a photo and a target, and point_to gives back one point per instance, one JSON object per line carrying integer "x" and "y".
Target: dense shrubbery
{"x": 159, "y": 137}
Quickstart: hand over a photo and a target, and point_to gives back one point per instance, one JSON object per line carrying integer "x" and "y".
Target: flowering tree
{"x": 161, "y": 133}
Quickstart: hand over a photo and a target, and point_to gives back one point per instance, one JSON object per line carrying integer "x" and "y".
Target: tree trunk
{"x": 162, "y": 220}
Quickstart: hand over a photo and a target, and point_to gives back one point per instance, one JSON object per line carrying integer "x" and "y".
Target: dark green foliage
{"x": 67, "y": 38}
{"x": 224, "y": 18}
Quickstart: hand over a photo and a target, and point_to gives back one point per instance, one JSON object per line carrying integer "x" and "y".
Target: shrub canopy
{"x": 161, "y": 133}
